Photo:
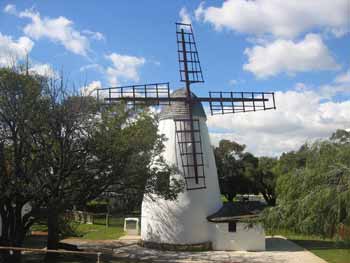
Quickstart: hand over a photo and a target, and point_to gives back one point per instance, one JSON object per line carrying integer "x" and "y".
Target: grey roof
{"x": 236, "y": 211}
{"x": 179, "y": 109}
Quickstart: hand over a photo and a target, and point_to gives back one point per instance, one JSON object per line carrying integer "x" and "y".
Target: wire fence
{"x": 88, "y": 217}
{"x": 44, "y": 251}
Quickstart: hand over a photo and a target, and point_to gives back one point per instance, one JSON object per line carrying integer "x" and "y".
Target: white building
{"x": 183, "y": 222}
{"x": 236, "y": 229}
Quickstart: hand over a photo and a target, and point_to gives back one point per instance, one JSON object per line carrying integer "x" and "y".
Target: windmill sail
{"x": 146, "y": 94}
{"x": 185, "y": 146}
{"x": 188, "y": 54}
{"x": 235, "y": 102}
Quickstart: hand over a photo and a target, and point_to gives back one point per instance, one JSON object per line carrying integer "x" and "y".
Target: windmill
{"x": 184, "y": 123}
{"x": 219, "y": 102}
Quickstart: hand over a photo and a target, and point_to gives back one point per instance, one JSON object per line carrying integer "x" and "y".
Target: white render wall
{"x": 245, "y": 238}
{"x": 183, "y": 221}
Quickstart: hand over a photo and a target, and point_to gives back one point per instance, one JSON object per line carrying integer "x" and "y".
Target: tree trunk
{"x": 12, "y": 233}
{"x": 230, "y": 197}
{"x": 53, "y": 229}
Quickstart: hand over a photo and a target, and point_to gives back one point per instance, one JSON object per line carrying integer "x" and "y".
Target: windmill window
{"x": 232, "y": 227}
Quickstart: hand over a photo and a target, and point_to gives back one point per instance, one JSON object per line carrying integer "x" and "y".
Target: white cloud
{"x": 329, "y": 91}
{"x": 12, "y": 50}
{"x": 43, "y": 70}
{"x": 124, "y": 68}
{"x": 10, "y": 9}
{"x": 276, "y": 17}
{"x": 343, "y": 78}
{"x": 300, "y": 116}
{"x": 185, "y": 16}
{"x": 340, "y": 85}
{"x": 91, "y": 66}
{"x": 58, "y": 29}
{"x": 300, "y": 86}
{"x": 90, "y": 89}
{"x": 290, "y": 57}
{"x": 233, "y": 82}
{"x": 94, "y": 35}
{"x": 236, "y": 82}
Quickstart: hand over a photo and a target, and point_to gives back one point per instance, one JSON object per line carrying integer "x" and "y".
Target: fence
{"x": 88, "y": 218}
{"x": 37, "y": 250}
{"x": 344, "y": 232}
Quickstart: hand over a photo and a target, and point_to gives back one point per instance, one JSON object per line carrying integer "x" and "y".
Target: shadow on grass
{"x": 295, "y": 244}
{"x": 40, "y": 242}
{"x": 320, "y": 244}
{"x": 278, "y": 244}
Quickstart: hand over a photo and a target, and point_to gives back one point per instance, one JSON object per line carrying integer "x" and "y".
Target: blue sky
{"x": 296, "y": 49}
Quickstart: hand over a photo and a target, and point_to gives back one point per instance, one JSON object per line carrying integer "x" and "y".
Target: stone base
{"x": 177, "y": 247}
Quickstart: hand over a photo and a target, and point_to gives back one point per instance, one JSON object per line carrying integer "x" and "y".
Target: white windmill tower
{"x": 183, "y": 122}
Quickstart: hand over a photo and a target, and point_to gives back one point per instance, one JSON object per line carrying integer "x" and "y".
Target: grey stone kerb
{"x": 179, "y": 109}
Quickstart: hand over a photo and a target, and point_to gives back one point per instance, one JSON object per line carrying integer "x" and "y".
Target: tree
{"x": 314, "y": 192}
{"x": 58, "y": 149}
{"x": 265, "y": 179}
{"x": 235, "y": 168}
{"x": 19, "y": 125}
{"x": 89, "y": 149}
{"x": 241, "y": 172}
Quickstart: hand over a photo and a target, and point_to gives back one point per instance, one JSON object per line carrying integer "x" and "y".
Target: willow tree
{"x": 314, "y": 190}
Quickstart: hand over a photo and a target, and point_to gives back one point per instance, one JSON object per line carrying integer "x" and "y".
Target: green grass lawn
{"x": 331, "y": 250}
{"x": 96, "y": 231}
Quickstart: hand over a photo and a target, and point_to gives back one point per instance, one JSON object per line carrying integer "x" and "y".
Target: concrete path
{"x": 279, "y": 250}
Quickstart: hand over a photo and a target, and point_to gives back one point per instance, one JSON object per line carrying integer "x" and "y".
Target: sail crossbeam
{"x": 185, "y": 146}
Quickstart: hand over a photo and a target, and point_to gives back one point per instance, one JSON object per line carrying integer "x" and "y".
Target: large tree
{"x": 314, "y": 188}
{"x": 240, "y": 172}
{"x": 265, "y": 178}
{"x": 90, "y": 149}
{"x": 20, "y": 121}
{"x": 235, "y": 169}
{"x": 58, "y": 149}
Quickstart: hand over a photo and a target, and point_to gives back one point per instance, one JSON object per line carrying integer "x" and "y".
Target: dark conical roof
{"x": 236, "y": 211}
{"x": 179, "y": 109}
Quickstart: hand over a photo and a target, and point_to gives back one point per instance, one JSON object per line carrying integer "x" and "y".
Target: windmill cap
{"x": 179, "y": 109}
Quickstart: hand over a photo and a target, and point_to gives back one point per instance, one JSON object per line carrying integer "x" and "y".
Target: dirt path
{"x": 278, "y": 250}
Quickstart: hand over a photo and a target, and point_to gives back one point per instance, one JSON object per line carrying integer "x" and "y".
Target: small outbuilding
{"x": 235, "y": 227}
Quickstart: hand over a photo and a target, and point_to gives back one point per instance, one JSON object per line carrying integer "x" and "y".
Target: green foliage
{"x": 313, "y": 188}
{"x": 59, "y": 149}
{"x": 265, "y": 179}
{"x": 19, "y": 126}
{"x": 97, "y": 206}
{"x": 241, "y": 172}
{"x": 233, "y": 167}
